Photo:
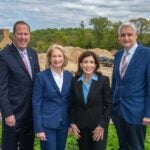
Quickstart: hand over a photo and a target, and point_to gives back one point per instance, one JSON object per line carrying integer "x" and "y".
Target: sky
{"x": 43, "y": 14}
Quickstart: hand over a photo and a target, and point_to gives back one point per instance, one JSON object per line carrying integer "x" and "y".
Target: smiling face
{"x": 57, "y": 59}
{"x": 21, "y": 37}
{"x": 88, "y": 65}
{"x": 127, "y": 37}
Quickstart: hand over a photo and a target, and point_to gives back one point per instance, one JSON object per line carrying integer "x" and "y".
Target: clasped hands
{"x": 98, "y": 132}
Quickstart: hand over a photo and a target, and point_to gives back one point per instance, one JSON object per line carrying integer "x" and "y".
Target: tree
{"x": 40, "y": 46}
{"x": 100, "y": 24}
{"x": 82, "y": 25}
{"x": 59, "y": 38}
{"x": 143, "y": 26}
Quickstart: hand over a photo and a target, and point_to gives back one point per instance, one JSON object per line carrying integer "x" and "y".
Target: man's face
{"x": 127, "y": 37}
{"x": 21, "y": 36}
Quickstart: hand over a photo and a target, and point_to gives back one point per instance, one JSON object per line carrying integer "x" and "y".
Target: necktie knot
{"x": 126, "y": 53}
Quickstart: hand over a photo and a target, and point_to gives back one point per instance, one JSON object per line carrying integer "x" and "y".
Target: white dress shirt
{"x": 130, "y": 52}
{"x": 58, "y": 79}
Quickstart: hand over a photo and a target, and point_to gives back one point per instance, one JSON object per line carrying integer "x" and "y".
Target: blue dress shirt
{"x": 86, "y": 87}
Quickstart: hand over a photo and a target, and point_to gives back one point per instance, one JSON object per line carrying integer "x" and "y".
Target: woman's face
{"x": 88, "y": 65}
{"x": 57, "y": 59}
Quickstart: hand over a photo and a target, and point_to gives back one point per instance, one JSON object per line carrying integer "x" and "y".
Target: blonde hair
{"x": 49, "y": 54}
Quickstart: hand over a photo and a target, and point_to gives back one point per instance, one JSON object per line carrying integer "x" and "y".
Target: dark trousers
{"x": 130, "y": 136}
{"x": 20, "y": 137}
{"x": 56, "y": 138}
{"x": 86, "y": 142}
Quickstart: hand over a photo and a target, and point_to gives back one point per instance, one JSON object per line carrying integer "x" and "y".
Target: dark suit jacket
{"x": 15, "y": 83}
{"x": 50, "y": 106}
{"x": 98, "y": 109}
{"x": 131, "y": 95}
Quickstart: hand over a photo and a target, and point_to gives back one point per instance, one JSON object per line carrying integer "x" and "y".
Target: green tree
{"x": 41, "y": 46}
{"x": 100, "y": 26}
{"x": 143, "y": 26}
{"x": 59, "y": 38}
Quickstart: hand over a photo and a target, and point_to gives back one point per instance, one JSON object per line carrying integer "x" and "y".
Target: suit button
{"x": 121, "y": 86}
{"x": 120, "y": 98}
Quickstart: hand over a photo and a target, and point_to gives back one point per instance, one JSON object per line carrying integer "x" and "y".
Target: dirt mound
{"x": 73, "y": 54}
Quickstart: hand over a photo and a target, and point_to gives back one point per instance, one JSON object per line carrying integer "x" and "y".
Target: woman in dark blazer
{"x": 51, "y": 96}
{"x": 91, "y": 104}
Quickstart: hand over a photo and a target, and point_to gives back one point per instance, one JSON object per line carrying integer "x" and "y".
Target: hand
{"x": 98, "y": 133}
{"x": 146, "y": 121}
{"x": 75, "y": 130}
{"x": 41, "y": 136}
{"x": 70, "y": 131}
{"x": 10, "y": 121}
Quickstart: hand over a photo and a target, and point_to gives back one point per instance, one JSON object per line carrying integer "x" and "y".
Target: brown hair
{"x": 49, "y": 54}
{"x": 20, "y": 22}
{"x": 84, "y": 55}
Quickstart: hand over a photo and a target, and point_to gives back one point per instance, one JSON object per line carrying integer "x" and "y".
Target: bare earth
{"x": 73, "y": 54}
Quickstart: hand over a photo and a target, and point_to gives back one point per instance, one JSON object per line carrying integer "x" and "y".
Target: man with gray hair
{"x": 131, "y": 89}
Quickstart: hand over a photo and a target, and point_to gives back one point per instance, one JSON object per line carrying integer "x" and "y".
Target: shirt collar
{"x": 94, "y": 77}
{"x": 132, "y": 49}
{"x": 56, "y": 74}
{"x": 20, "y": 51}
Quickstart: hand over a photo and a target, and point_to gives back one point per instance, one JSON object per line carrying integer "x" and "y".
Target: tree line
{"x": 102, "y": 34}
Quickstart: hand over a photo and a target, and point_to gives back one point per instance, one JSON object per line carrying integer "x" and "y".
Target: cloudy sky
{"x": 42, "y": 14}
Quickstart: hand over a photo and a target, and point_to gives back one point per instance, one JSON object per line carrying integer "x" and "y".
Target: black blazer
{"x": 15, "y": 83}
{"x": 98, "y": 109}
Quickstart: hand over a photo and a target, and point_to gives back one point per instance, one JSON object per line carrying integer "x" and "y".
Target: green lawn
{"x": 112, "y": 143}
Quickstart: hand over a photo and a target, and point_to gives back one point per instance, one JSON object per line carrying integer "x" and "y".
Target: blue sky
{"x": 42, "y": 14}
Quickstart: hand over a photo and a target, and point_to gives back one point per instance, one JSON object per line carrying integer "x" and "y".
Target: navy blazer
{"x": 50, "y": 106}
{"x": 15, "y": 83}
{"x": 131, "y": 95}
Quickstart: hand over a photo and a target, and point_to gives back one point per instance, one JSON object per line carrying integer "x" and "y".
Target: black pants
{"x": 86, "y": 142}
{"x": 20, "y": 137}
{"x": 130, "y": 136}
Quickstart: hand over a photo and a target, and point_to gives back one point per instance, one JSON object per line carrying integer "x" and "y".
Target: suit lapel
{"x": 92, "y": 89}
{"x": 133, "y": 60}
{"x": 79, "y": 84}
{"x": 118, "y": 61}
{"x": 65, "y": 82}
{"x": 53, "y": 81}
{"x": 19, "y": 59}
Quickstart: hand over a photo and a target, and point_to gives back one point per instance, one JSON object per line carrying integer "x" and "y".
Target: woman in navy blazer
{"x": 51, "y": 96}
{"x": 91, "y": 104}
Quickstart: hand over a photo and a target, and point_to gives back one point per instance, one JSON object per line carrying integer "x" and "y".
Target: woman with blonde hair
{"x": 51, "y": 96}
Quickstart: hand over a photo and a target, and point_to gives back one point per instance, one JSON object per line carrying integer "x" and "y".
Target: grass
{"x": 112, "y": 143}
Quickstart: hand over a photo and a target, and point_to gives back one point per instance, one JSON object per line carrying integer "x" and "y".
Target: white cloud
{"x": 69, "y": 13}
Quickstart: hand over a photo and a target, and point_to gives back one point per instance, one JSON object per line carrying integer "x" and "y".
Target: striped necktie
{"x": 124, "y": 64}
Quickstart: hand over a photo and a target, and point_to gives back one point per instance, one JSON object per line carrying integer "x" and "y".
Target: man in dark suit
{"x": 18, "y": 65}
{"x": 131, "y": 89}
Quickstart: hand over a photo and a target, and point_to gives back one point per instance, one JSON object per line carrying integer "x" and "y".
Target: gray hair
{"x": 128, "y": 24}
